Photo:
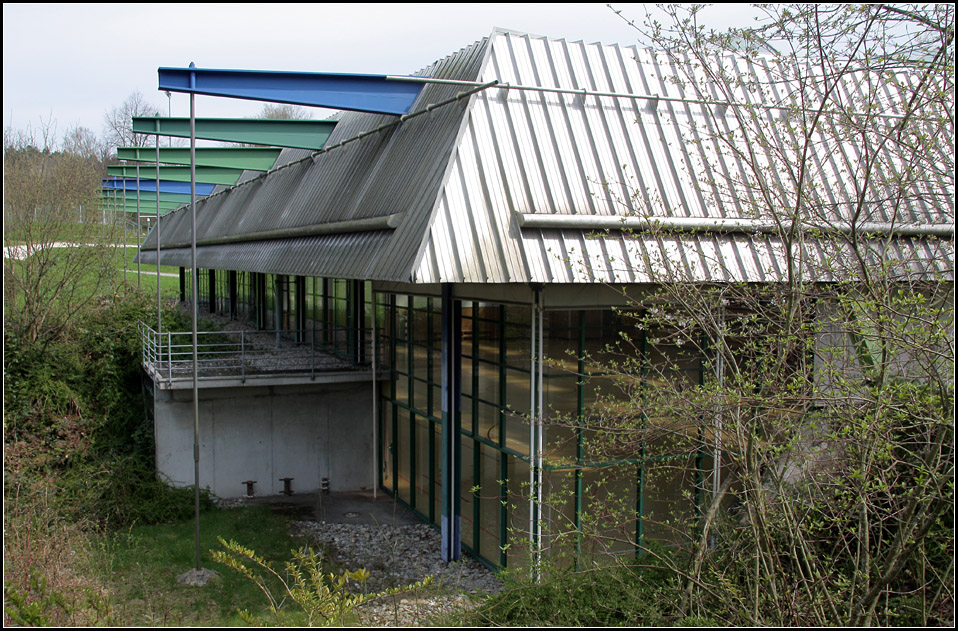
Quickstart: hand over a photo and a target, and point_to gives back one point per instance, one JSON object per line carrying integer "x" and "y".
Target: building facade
{"x": 478, "y": 260}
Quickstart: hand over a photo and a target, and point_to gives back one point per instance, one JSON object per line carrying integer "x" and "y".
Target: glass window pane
{"x": 518, "y": 506}
{"x": 517, "y": 391}
{"x": 388, "y": 448}
{"x": 491, "y": 509}
{"x": 669, "y": 503}
{"x": 517, "y": 433}
{"x": 608, "y": 513}
{"x": 422, "y": 465}
{"x": 488, "y": 422}
{"x": 402, "y": 388}
{"x": 559, "y": 528}
{"x": 467, "y": 501}
{"x": 402, "y": 456}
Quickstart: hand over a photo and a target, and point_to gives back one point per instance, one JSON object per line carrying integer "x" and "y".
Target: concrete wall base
{"x": 305, "y": 432}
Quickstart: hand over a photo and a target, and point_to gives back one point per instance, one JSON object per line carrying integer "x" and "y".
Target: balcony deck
{"x": 236, "y": 355}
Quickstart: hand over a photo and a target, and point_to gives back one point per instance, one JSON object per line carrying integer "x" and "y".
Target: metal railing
{"x": 168, "y": 355}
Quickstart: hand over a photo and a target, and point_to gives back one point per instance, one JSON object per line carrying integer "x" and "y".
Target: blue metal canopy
{"x": 166, "y": 186}
{"x": 356, "y": 92}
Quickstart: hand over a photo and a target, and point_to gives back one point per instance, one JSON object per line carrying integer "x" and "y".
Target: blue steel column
{"x": 451, "y": 389}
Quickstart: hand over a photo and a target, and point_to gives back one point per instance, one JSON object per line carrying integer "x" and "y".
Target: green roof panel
{"x": 299, "y": 134}
{"x": 250, "y": 158}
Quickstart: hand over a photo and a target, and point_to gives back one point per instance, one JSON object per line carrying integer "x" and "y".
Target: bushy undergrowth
{"x": 640, "y": 592}
{"x": 74, "y": 410}
{"x": 78, "y": 456}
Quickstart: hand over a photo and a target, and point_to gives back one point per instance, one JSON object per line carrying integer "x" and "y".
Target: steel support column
{"x": 211, "y": 278}
{"x": 234, "y": 302}
{"x": 182, "y": 284}
{"x": 451, "y": 389}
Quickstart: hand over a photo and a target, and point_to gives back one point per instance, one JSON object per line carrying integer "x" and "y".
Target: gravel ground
{"x": 399, "y": 555}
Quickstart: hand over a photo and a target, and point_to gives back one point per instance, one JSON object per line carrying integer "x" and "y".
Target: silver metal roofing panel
{"x": 459, "y": 175}
{"x": 581, "y": 154}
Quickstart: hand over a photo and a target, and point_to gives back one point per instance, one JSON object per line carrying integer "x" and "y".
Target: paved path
{"x": 152, "y": 273}
{"x": 20, "y": 251}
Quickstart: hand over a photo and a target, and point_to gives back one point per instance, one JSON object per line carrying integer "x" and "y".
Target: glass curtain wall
{"x": 646, "y": 489}
{"x": 331, "y": 313}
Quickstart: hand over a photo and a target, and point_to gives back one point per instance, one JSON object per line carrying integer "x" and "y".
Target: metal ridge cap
{"x": 369, "y": 224}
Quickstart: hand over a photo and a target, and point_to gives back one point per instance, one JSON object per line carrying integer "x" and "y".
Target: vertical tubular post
{"x": 535, "y": 444}
{"x": 451, "y": 384}
{"x": 503, "y": 458}
{"x": 277, "y": 307}
{"x": 375, "y": 405}
{"x": 159, "y": 299}
{"x": 641, "y": 473}
{"x": 580, "y": 437}
{"x": 195, "y": 291}
{"x": 540, "y": 430}
{"x": 138, "y": 228}
{"x": 124, "y": 225}
{"x": 720, "y": 374}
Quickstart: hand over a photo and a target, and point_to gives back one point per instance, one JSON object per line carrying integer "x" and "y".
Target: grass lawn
{"x": 140, "y": 566}
{"x": 170, "y": 285}
{"x": 130, "y": 252}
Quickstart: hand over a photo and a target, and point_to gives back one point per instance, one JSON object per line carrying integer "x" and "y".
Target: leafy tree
{"x": 826, "y": 411}
{"x": 118, "y": 122}
{"x": 52, "y": 227}
{"x": 284, "y": 111}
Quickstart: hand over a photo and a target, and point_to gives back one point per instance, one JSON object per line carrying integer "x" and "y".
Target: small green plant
{"x": 35, "y": 605}
{"x": 324, "y": 597}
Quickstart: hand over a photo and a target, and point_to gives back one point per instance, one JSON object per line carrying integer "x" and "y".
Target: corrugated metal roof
{"x": 396, "y": 171}
{"x": 460, "y": 174}
{"x": 586, "y": 155}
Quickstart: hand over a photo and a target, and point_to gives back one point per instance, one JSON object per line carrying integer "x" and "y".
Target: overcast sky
{"x": 72, "y": 63}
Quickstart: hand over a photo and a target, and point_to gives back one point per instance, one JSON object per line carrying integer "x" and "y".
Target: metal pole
{"x": 540, "y": 429}
{"x": 720, "y": 375}
{"x": 720, "y": 105}
{"x": 196, "y": 402}
{"x": 277, "y": 306}
{"x": 138, "y": 228}
{"x": 124, "y": 232}
{"x": 159, "y": 299}
{"x": 112, "y": 234}
{"x": 533, "y": 517}
{"x": 375, "y": 407}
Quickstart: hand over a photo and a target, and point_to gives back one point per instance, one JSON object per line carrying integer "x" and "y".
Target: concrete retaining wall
{"x": 305, "y": 432}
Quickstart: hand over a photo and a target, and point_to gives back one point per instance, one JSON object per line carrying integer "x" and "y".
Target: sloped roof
{"x": 456, "y": 182}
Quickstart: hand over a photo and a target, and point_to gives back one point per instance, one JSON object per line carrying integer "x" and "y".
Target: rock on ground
{"x": 401, "y": 555}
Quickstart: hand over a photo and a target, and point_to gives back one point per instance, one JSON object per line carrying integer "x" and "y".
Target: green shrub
{"x": 644, "y": 593}
{"x": 74, "y": 408}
